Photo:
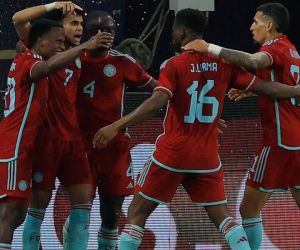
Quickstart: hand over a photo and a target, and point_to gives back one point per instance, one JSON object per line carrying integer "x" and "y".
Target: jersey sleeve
{"x": 271, "y": 53}
{"x": 135, "y": 74}
{"x": 243, "y": 79}
{"x": 167, "y": 78}
{"x": 30, "y": 61}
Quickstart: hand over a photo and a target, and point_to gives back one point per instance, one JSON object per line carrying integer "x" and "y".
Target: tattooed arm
{"x": 251, "y": 62}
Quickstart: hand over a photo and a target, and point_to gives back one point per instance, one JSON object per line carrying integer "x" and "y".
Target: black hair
{"x": 278, "y": 13}
{"x": 192, "y": 19}
{"x": 95, "y": 15}
{"x": 40, "y": 28}
{"x": 54, "y": 15}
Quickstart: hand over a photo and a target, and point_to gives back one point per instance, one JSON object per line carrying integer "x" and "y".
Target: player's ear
{"x": 271, "y": 26}
{"x": 181, "y": 33}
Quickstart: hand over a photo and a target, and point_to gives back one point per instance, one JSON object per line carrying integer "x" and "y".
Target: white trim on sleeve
{"x": 250, "y": 84}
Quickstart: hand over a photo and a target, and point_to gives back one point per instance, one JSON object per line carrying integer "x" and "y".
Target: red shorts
{"x": 158, "y": 184}
{"x": 275, "y": 169}
{"x": 112, "y": 168}
{"x": 66, "y": 160}
{"x": 16, "y": 177}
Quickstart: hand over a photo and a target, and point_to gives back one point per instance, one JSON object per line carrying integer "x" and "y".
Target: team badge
{"x": 109, "y": 70}
{"x": 78, "y": 63}
{"x": 38, "y": 177}
{"x": 23, "y": 185}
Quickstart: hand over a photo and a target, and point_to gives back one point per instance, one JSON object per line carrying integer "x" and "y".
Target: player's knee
{"x": 217, "y": 213}
{"x": 140, "y": 211}
{"x": 12, "y": 215}
{"x": 40, "y": 198}
{"x": 249, "y": 211}
{"x": 134, "y": 211}
{"x": 110, "y": 217}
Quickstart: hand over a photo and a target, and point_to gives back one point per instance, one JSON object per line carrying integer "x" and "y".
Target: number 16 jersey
{"x": 196, "y": 84}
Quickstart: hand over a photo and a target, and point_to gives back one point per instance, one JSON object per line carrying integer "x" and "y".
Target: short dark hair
{"x": 40, "y": 28}
{"x": 95, "y": 15}
{"x": 192, "y": 19}
{"x": 278, "y": 13}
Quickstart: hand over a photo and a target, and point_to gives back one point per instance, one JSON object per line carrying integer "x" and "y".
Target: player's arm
{"x": 43, "y": 68}
{"x": 276, "y": 90}
{"x": 249, "y": 61}
{"x": 22, "y": 19}
{"x": 151, "y": 85}
{"x": 157, "y": 101}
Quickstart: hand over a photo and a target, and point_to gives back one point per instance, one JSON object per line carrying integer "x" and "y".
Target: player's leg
{"x": 233, "y": 232}
{"x": 46, "y": 156}
{"x": 12, "y": 215}
{"x": 139, "y": 211}
{"x": 295, "y": 184}
{"x": 79, "y": 218}
{"x": 296, "y": 195}
{"x": 269, "y": 173}
{"x": 75, "y": 175}
{"x": 115, "y": 175}
{"x": 14, "y": 196}
{"x": 110, "y": 210}
{"x": 253, "y": 202}
{"x": 149, "y": 193}
{"x": 34, "y": 219}
{"x": 214, "y": 203}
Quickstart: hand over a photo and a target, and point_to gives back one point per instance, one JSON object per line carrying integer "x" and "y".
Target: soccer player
{"x": 276, "y": 165}
{"x": 194, "y": 85}
{"x": 100, "y": 102}
{"x": 25, "y": 106}
{"x": 59, "y": 151}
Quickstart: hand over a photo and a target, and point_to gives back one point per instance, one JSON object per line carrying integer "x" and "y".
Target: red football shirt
{"x": 281, "y": 118}
{"x": 197, "y": 84}
{"x": 25, "y": 104}
{"x": 101, "y": 90}
{"x": 61, "y": 122}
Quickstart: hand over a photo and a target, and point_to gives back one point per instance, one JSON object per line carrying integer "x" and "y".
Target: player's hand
{"x": 198, "y": 45}
{"x": 104, "y": 136}
{"x": 67, "y": 7}
{"x": 237, "y": 95}
{"x": 100, "y": 40}
{"x": 221, "y": 125}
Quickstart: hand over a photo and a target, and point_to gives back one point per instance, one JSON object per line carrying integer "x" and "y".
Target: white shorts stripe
{"x": 12, "y": 175}
{"x": 259, "y": 163}
{"x": 144, "y": 173}
{"x": 264, "y": 166}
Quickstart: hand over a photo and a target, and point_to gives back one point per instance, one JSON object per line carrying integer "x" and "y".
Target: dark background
{"x": 228, "y": 25}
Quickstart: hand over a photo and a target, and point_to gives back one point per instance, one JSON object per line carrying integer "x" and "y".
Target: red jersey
{"x": 25, "y": 104}
{"x": 61, "y": 122}
{"x": 197, "y": 84}
{"x": 101, "y": 90}
{"x": 281, "y": 118}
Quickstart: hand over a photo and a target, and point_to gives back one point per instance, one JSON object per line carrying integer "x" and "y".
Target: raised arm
{"x": 249, "y": 61}
{"x": 104, "y": 135}
{"x": 22, "y": 18}
{"x": 101, "y": 40}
